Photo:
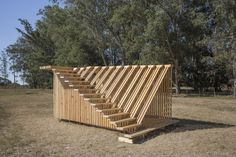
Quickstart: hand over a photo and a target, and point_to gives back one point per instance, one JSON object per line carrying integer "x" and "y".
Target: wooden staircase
{"x": 115, "y": 97}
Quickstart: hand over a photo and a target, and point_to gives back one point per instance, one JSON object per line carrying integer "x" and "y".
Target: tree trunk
{"x": 176, "y": 66}
{"x": 234, "y": 88}
{"x": 123, "y": 60}
{"x": 103, "y": 57}
{"x": 123, "y": 57}
{"x": 234, "y": 78}
{"x": 176, "y": 72}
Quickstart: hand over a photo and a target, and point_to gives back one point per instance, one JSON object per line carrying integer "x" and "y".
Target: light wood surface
{"x": 114, "y": 97}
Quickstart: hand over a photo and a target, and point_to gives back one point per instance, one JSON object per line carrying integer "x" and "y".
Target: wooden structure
{"x": 114, "y": 97}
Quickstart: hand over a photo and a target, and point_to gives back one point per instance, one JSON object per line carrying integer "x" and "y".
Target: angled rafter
{"x": 131, "y": 87}
{"x": 127, "y": 80}
{"x": 137, "y": 90}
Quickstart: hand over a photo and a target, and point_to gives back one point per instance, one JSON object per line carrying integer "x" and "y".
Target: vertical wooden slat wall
{"x": 115, "y": 97}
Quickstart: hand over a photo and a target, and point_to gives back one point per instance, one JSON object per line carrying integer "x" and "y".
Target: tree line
{"x": 196, "y": 36}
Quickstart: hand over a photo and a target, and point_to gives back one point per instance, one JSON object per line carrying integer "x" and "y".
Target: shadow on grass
{"x": 184, "y": 125}
{"x": 189, "y": 125}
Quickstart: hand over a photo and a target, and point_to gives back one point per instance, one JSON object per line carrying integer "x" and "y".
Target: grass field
{"x": 207, "y": 127}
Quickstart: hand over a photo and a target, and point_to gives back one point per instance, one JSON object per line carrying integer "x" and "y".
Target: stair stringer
{"x": 103, "y": 90}
{"x": 90, "y": 115}
{"x": 72, "y": 106}
{"x": 112, "y": 74}
{"x": 106, "y": 119}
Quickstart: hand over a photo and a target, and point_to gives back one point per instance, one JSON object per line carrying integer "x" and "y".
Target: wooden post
{"x": 234, "y": 88}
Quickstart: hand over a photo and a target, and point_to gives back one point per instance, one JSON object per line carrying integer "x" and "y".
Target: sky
{"x": 10, "y": 12}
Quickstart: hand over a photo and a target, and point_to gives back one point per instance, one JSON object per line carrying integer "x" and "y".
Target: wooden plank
{"x": 86, "y": 72}
{"x": 148, "y": 130}
{"x": 124, "y": 128}
{"x": 145, "y": 92}
{"x": 105, "y": 77}
{"x": 137, "y": 90}
{"x": 142, "y": 134}
{"x": 123, "y": 86}
{"x": 50, "y": 67}
{"x": 109, "y": 81}
{"x": 98, "y": 76}
{"x": 126, "y": 140}
{"x": 122, "y": 103}
{"x": 151, "y": 96}
{"x": 92, "y": 73}
{"x": 117, "y": 82}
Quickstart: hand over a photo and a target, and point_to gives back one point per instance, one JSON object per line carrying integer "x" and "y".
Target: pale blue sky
{"x": 10, "y": 12}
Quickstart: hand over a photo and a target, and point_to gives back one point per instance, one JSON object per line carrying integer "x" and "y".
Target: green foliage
{"x": 197, "y": 37}
{"x": 4, "y": 66}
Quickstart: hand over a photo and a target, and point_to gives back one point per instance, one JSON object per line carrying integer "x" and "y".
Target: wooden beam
{"x": 50, "y": 67}
{"x": 142, "y": 134}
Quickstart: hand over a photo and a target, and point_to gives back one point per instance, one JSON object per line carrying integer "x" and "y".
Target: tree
{"x": 197, "y": 37}
{"x": 175, "y": 30}
{"x": 73, "y": 45}
{"x": 4, "y": 67}
{"x": 94, "y": 16}
{"x": 30, "y": 51}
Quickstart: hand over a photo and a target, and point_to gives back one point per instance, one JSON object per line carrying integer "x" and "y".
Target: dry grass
{"x": 27, "y": 128}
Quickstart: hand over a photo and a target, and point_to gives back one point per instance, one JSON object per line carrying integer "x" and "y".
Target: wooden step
{"x": 116, "y": 115}
{"x": 155, "y": 126}
{"x": 76, "y": 69}
{"x": 86, "y": 91}
{"x": 68, "y": 74}
{"x": 65, "y": 71}
{"x": 81, "y": 86}
{"x": 129, "y": 127}
{"x": 96, "y": 95}
{"x": 98, "y": 100}
{"x": 102, "y": 105}
{"x": 77, "y": 82}
{"x": 72, "y": 78}
{"x": 109, "y": 110}
{"x": 123, "y": 120}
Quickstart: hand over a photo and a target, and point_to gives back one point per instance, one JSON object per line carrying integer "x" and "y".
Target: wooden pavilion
{"x": 123, "y": 98}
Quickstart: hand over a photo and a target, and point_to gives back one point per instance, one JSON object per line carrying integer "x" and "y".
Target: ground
{"x": 27, "y": 128}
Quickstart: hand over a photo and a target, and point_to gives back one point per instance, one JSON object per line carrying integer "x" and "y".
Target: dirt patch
{"x": 27, "y": 128}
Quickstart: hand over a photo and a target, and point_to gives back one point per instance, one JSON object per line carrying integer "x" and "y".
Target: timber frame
{"x": 113, "y": 97}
